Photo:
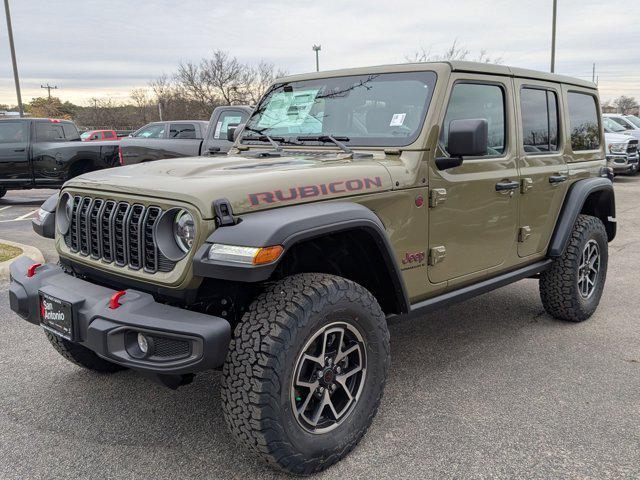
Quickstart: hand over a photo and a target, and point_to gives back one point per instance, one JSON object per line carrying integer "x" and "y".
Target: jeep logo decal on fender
{"x": 413, "y": 257}
{"x": 311, "y": 191}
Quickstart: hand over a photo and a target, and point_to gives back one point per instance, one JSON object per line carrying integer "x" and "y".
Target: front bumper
{"x": 622, "y": 163}
{"x": 192, "y": 341}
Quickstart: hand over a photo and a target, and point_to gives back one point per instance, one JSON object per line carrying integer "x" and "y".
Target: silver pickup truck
{"x": 183, "y": 138}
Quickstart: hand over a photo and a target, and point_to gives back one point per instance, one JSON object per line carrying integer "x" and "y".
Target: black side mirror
{"x": 234, "y": 130}
{"x": 467, "y": 138}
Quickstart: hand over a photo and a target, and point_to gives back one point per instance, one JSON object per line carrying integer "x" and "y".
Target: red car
{"x": 97, "y": 135}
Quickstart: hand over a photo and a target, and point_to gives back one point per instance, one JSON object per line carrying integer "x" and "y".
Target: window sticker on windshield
{"x": 288, "y": 109}
{"x": 397, "y": 120}
{"x": 218, "y": 128}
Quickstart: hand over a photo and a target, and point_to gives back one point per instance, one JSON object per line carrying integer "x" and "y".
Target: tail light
{"x": 120, "y": 157}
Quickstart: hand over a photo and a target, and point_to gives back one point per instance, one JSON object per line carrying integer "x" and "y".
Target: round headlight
{"x": 64, "y": 212}
{"x": 184, "y": 230}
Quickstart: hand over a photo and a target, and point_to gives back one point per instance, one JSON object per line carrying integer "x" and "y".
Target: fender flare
{"x": 579, "y": 194}
{"x": 288, "y": 226}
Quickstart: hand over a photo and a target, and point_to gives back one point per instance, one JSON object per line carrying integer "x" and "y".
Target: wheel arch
{"x": 591, "y": 196}
{"x": 341, "y": 238}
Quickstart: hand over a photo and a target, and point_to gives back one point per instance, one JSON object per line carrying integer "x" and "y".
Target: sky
{"x": 97, "y": 49}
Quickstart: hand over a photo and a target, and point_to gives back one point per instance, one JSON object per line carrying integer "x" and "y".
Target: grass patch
{"x": 7, "y": 252}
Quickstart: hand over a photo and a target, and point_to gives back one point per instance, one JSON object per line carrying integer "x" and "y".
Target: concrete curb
{"x": 27, "y": 250}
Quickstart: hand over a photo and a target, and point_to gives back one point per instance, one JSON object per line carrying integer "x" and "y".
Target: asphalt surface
{"x": 491, "y": 388}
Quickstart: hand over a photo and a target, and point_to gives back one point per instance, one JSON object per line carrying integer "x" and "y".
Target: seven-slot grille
{"x": 116, "y": 232}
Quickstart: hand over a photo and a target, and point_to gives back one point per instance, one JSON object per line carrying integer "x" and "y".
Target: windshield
{"x": 611, "y": 126}
{"x": 633, "y": 119}
{"x": 364, "y": 110}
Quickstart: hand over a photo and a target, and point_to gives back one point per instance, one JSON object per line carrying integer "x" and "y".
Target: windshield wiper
{"x": 266, "y": 138}
{"x": 327, "y": 138}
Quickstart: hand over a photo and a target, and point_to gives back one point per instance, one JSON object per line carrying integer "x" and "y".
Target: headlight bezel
{"x": 165, "y": 234}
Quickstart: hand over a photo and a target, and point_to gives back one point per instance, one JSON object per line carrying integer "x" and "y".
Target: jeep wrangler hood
{"x": 249, "y": 183}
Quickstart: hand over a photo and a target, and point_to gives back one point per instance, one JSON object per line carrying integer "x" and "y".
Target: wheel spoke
{"x": 344, "y": 376}
{"x": 347, "y": 352}
{"x": 319, "y": 409}
{"x": 319, "y": 360}
{"x": 305, "y": 404}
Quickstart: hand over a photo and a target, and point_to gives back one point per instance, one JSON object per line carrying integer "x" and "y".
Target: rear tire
{"x": 571, "y": 289}
{"x": 288, "y": 367}
{"x": 81, "y": 356}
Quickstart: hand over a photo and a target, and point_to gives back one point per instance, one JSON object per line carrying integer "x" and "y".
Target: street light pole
{"x": 316, "y": 48}
{"x": 553, "y": 37}
{"x": 13, "y": 56}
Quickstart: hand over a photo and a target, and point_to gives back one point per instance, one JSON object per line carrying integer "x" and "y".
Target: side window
{"x": 182, "y": 130}
{"x": 472, "y": 101}
{"x": 226, "y": 119}
{"x": 539, "y": 120}
{"x": 70, "y": 131}
{"x": 583, "y": 121}
{"x": 14, "y": 132}
{"x": 49, "y": 132}
{"x": 109, "y": 135}
{"x": 155, "y": 130}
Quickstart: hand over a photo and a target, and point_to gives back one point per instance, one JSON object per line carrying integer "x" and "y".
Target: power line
{"x": 49, "y": 88}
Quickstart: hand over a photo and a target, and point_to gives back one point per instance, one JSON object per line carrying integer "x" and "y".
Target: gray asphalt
{"x": 492, "y": 388}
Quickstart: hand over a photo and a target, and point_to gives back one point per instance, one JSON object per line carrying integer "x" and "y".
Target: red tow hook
{"x": 31, "y": 271}
{"x": 114, "y": 300}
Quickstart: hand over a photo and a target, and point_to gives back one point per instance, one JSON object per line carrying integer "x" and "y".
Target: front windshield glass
{"x": 611, "y": 126}
{"x": 633, "y": 119}
{"x": 365, "y": 110}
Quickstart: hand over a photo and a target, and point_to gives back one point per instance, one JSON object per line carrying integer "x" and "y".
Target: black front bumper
{"x": 192, "y": 341}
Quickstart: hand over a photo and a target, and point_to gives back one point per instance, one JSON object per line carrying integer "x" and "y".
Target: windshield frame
{"x": 428, "y": 77}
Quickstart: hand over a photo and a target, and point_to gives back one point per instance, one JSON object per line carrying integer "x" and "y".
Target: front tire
{"x": 571, "y": 289}
{"x": 81, "y": 356}
{"x": 306, "y": 371}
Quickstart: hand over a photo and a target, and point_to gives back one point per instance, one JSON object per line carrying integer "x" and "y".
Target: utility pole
{"x": 13, "y": 56}
{"x": 317, "y": 48}
{"x": 49, "y": 88}
{"x": 593, "y": 74}
{"x": 553, "y": 37}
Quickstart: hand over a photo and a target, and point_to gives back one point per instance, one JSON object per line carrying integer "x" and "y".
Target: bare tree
{"x": 262, "y": 76}
{"x": 454, "y": 52}
{"x": 625, "y": 104}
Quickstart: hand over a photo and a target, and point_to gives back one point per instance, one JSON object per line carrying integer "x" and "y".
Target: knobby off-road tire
{"x": 560, "y": 286}
{"x": 260, "y": 403}
{"x": 81, "y": 356}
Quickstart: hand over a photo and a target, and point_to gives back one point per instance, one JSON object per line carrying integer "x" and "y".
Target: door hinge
{"x": 526, "y": 185}
{"x": 437, "y": 254}
{"x": 524, "y": 233}
{"x": 437, "y": 196}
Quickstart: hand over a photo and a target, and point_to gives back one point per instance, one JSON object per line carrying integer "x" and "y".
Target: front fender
{"x": 288, "y": 226}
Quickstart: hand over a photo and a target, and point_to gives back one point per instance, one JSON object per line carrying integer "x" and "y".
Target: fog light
{"x": 143, "y": 344}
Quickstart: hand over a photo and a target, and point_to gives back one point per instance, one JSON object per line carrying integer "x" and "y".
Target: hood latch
{"x": 223, "y": 213}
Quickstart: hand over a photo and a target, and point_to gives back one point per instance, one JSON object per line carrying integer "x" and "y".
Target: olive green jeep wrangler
{"x": 349, "y": 196}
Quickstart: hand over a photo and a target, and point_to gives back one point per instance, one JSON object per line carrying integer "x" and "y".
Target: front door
{"x": 14, "y": 153}
{"x": 474, "y": 207}
{"x": 544, "y": 172}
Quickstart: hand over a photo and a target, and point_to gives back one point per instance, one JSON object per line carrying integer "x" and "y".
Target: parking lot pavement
{"x": 489, "y": 388}
{"x": 16, "y": 211}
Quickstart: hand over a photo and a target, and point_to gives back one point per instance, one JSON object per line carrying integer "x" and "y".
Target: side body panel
{"x": 15, "y": 169}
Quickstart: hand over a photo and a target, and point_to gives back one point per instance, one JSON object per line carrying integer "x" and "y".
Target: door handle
{"x": 507, "y": 186}
{"x": 19, "y": 149}
{"x": 557, "y": 178}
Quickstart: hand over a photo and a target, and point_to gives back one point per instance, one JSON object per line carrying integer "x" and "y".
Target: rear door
{"x": 544, "y": 173}
{"x": 14, "y": 152}
{"x": 472, "y": 226}
{"x": 218, "y": 128}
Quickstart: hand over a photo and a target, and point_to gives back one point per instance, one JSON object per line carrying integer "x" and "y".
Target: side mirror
{"x": 467, "y": 138}
{"x": 234, "y": 130}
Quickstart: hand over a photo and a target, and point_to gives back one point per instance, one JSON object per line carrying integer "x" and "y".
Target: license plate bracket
{"x": 57, "y": 316}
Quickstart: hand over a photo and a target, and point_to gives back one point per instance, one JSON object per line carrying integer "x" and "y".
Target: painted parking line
{"x": 26, "y": 215}
{"x": 5, "y": 208}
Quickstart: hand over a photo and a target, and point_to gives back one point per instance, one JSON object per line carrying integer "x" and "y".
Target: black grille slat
{"x": 116, "y": 232}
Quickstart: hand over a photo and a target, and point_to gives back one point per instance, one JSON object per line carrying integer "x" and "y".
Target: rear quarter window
{"x": 583, "y": 122}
